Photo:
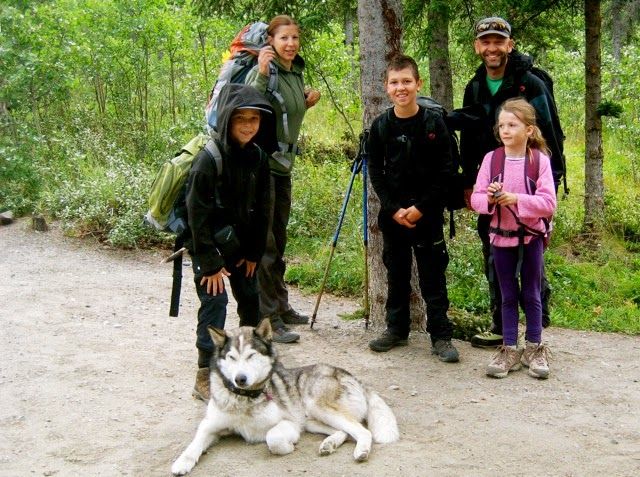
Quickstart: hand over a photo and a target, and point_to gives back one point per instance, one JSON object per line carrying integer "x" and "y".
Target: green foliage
{"x": 95, "y": 95}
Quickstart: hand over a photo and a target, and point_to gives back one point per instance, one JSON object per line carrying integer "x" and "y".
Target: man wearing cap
{"x": 228, "y": 209}
{"x": 505, "y": 73}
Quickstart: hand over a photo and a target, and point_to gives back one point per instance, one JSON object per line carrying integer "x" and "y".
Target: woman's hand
{"x": 311, "y": 97}
{"x": 266, "y": 55}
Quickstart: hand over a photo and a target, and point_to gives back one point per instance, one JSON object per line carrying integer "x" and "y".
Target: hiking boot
{"x": 505, "y": 360}
{"x": 283, "y": 335}
{"x": 292, "y": 317}
{"x": 386, "y": 341}
{"x": 487, "y": 339}
{"x": 536, "y": 357}
{"x": 201, "y": 388}
{"x": 446, "y": 351}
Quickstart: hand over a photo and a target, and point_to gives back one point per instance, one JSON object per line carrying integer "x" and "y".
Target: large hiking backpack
{"x": 454, "y": 199}
{"x": 243, "y": 56}
{"x": 167, "y": 203}
{"x": 531, "y": 173}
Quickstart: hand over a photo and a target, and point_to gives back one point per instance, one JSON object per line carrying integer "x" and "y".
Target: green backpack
{"x": 166, "y": 211}
{"x": 167, "y": 203}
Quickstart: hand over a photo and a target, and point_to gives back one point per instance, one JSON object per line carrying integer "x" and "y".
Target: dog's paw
{"x": 328, "y": 446}
{"x": 281, "y": 447}
{"x": 183, "y": 465}
{"x": 361, "y": 453}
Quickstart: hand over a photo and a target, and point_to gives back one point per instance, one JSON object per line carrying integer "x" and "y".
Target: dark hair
{"x": 278, "y": 21}
{"x": 400, "y": 62}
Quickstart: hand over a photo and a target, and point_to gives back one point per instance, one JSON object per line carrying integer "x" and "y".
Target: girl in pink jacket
{"x": 515, "y": 186}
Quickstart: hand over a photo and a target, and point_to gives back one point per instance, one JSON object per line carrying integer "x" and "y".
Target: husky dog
{"x": 254, "y": 396}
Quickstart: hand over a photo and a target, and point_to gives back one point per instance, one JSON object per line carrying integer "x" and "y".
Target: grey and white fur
{"x": 254, "y": 396}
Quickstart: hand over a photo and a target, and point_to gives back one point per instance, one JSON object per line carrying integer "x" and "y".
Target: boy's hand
{"x": 311, "y": 97}
{"x": 215, "y": 283}
{"x": 401, "y": 217}
{"x": 251, "y": 267}
{"x": 413, "y": 214}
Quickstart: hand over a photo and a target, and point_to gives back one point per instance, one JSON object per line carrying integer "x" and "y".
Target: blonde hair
{"x": 521, "y": 108}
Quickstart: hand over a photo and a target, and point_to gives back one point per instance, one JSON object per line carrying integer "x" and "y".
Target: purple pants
{"x": 505, "y": 260}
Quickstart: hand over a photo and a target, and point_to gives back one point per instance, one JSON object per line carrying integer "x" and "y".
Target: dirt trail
{"x": 95, "y": 380}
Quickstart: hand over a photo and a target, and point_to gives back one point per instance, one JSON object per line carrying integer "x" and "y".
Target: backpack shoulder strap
{"x": 497, "y": 165}
{"x": 272, "y": 90}
{"x": 212, "y": 148}
{"x": 532, "y": 170}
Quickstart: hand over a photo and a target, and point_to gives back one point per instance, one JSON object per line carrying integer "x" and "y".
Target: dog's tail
{"x": 380, "y": 420}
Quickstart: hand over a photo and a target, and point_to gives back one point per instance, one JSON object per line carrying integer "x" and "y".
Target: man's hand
{"x": 413, "y": 214}
{"x": 467, "y": 198}
{"x": 311, "y": 97}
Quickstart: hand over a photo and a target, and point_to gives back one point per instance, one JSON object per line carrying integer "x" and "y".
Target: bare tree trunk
{"x": 380, "y": 23}
{"x": 439, "y": 61}
{"x": 594, "y": 157}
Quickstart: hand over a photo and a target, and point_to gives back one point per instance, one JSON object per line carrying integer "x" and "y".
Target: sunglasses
{"x": 493, "y": 25}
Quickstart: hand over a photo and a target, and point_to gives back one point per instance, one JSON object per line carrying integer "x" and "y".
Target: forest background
{"x": 96, "y": 94}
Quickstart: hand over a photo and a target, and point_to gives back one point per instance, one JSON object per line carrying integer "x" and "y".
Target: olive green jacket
{"x": 291, "y": 88}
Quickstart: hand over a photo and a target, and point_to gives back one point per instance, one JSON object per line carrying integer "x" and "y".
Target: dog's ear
{"x": 263, "y": 330}
{"x": 218, "y": 336}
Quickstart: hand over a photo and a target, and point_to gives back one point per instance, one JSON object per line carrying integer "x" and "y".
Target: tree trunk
{"x": 439, "y": 62}
{"x": 380, "y": 23}
{"x": 594, "y": 157}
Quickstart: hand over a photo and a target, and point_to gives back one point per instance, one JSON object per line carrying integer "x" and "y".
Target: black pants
{"x": 494, "y": 289}
{"x": 274, "y": 296}
{"x": 427, "y": 243}
{"x": 213, "y": 309}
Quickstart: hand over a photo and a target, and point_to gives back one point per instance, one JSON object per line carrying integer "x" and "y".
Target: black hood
{"x": 234, "y": 96}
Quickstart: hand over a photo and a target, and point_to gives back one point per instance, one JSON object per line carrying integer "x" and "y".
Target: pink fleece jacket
{"x": 530, "y": 208}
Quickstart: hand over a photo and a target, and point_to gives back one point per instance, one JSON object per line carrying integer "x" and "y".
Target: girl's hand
{"x": 215, "y": 283}
{"x": 311, "y": 97}
{"x": 494, "y": 191}
{"x": 507, "y": 198}
{"x": 266, "y": 55}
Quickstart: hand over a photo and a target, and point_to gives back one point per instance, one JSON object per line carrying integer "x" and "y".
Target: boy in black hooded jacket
{"x": 228, "y": 216}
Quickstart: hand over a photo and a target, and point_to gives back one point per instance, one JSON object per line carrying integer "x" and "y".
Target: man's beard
{"x": 496, "y": 64}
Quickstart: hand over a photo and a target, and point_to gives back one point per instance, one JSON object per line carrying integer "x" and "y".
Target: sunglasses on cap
{"x": 493, "y": 25}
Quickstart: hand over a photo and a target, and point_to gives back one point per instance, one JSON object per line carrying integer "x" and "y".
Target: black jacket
{"x": 477, "y": 137}
{"x": 239, "y": 197}
{"x": 410, "y": 162}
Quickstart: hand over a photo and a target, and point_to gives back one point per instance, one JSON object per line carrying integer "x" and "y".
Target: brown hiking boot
{"x": 505, "y": 360}
{"x": 536, "y": 357}
{"x": 201, "y": 388}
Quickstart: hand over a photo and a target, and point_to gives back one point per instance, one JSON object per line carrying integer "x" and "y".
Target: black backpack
{"x": 454, "y": 199}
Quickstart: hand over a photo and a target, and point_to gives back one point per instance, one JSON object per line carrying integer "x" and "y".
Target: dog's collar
{"x": 250, "y": 393}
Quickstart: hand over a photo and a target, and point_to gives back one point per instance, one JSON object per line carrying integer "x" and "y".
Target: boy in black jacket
{"x": 228, "y": 216}
{"x": 410, "y": 166}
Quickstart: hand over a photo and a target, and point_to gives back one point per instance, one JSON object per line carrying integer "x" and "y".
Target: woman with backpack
{"x": 290, "y": 101}
{"x": 520, "y": 211}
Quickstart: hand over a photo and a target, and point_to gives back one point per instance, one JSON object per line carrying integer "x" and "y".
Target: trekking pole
{"x": 355, "y": 168}
{"x": 364, "y": 154}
